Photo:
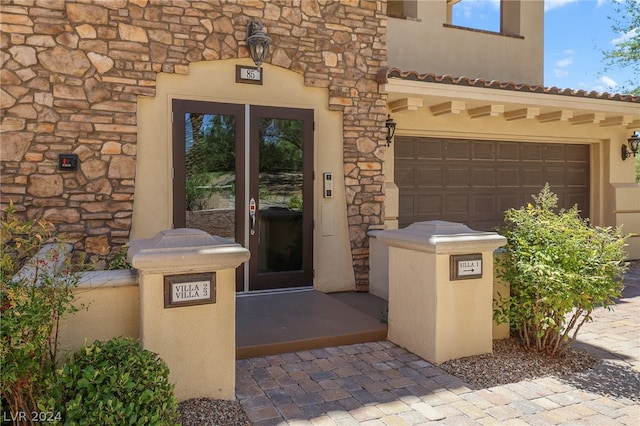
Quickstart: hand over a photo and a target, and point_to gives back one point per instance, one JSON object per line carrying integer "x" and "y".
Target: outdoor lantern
{"x": 391, "y": 129}
{"x": 633, "y": 142}
{"x": 258, "y": 42}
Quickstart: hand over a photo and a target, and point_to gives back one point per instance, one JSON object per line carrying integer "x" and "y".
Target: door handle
{"x": 252, "y": 216}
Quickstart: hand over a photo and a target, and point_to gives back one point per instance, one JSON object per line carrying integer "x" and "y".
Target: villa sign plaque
{"x": 189, "y": 289}
{"x": 465, "y": 267}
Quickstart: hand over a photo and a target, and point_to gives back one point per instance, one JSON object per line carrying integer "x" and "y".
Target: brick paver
{"x": 381, "y": 384}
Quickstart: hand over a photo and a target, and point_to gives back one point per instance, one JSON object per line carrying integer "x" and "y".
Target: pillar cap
{"x": 442, "y": 237}
{"x": 185, "y": 250}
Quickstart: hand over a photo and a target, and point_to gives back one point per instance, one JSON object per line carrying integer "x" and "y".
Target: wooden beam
{"x": 562, "y": 115}
{"x": 621, "y": 120}
{"x": 405, "y": 104}
{"x": 524, "y": 113}
{"x": 486, "y": 111}
{"x": 593, "y": 118}
{"x": 451, "y": 107}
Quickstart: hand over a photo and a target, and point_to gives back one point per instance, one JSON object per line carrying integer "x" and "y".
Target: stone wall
{"x": 72, "y": 72}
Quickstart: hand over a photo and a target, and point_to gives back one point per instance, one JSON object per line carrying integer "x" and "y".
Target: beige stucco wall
{"x": 627, "y": 214}
{"x": 199, "y": 366}
{"x": 108, "y": 303}
{"x": 413, "y": 45}
{"x": 434, "y": 317}
{"x": 215, "y": 82}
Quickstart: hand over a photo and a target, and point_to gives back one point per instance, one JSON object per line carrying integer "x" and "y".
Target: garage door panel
{"x": 404, "y": 176}
{"x": 533, "y": 152}
{"x": 508, "y": 151}
{"x": 577, "y": 153}
{"x": 404, "y": 150}
{"x": 458, "y": 150}
{"x": 532, "y": 177}
{"x": 456, "y": 204}
{"x": 457, "y": 177}
{"x": 430, "y": 205}
{"x": 483, "y": 178}
{"x": 483, "y": 151}
{"x": 577, "y": 177}
{"x": 483, "y": 205}
{"x": 406, "y": 208}
{"x": 474, "y": 182}
{"x": 554, "y": 152}
{"x": 507, "y": 201}
{"x": 508, "y": 178}
{"x": 429, "y": 177}
{"x": 572, "y": 198}
{"x": 555, "y": 176}
{"x": 430, "y": 150}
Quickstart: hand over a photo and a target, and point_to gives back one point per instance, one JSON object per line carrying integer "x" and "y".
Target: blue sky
{"x": 576, "y": 33}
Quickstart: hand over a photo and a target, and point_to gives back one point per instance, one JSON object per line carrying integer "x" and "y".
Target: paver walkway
{"x": 382, "y": 384}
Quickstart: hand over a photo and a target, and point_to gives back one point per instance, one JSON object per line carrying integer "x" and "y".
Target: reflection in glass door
{"x": 254, "y": 188}
{"x": 210, "y": 187}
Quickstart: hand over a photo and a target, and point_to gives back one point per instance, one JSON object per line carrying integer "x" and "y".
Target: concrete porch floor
{"x": 276, "y": 323}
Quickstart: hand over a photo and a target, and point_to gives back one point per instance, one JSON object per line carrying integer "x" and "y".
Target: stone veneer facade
{"x": 72, "y": 72}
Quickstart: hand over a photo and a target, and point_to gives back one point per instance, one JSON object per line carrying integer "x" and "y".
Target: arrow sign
{"x": 469, "y": 267}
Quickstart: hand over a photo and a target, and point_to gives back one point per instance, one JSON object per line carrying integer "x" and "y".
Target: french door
{"x": 245, "y": 173}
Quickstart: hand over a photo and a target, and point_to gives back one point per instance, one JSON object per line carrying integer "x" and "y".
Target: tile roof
{"x": 385, "y": 73}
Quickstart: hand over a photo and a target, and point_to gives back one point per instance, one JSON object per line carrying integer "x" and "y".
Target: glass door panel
{"x": 209, "y": 170}
{"x": 282, "y": 186}
{"x": 280, "y": 189}
{"x": 210, "y": 187}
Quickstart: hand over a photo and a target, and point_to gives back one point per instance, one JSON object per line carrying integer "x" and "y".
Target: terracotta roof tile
{"x": 385, "y": 73}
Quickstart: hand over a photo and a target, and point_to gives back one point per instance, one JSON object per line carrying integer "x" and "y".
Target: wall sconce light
{"x": 391, "y": 129}
{"x": 258, "y": 42}
{"x": 633, "y": 142}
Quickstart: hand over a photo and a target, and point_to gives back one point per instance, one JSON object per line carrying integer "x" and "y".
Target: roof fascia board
{"x": 488, "y": 95}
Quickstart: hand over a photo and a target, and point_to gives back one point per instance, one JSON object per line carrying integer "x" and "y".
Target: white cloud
{"x": 563, "y": 63}
{"x": 625, "y": 37}
{"x": 603, "y": 84}
{"x": 560, "y": 73}
{"x": 608, "y": 81}
{"x": 555, "y": 4}
{"x": 560, "y": 69}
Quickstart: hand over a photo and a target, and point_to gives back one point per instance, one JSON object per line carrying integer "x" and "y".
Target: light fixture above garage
{"x": 391, "y": 129}
{"x": 634, "y": 142}
{"x": 258, "y": 42}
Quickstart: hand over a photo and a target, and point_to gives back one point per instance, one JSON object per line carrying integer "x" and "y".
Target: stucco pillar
{"x": 187, "y": 308}
{"x": 440, "y": 308}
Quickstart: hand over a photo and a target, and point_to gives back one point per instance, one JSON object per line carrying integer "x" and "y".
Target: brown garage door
{"x": 474, "y": 182}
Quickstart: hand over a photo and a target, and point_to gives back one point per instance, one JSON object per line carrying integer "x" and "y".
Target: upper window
{"x": 404, "y": 9}
{"x": 476, "y": 14}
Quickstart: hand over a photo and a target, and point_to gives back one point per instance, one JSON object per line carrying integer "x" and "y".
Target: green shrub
{"x": 559, "y": 269}
{"x": 119, "y": 260}
{"x": 115, "y": 383}
{"x": 32, "y": 306}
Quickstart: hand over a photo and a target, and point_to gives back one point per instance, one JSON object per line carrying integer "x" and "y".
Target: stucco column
{"x": 441, "y": 289}
{"x": 187, "y": 308}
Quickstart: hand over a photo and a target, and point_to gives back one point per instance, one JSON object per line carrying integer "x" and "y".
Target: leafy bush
{"x": 559, "y": 268}
{"x": 115, "y": 383}
{"x": 119, "y": 260}
{"x": 32, "y": 305}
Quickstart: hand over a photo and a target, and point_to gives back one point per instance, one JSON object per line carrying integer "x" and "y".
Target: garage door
{"x": 474, "y": 182}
